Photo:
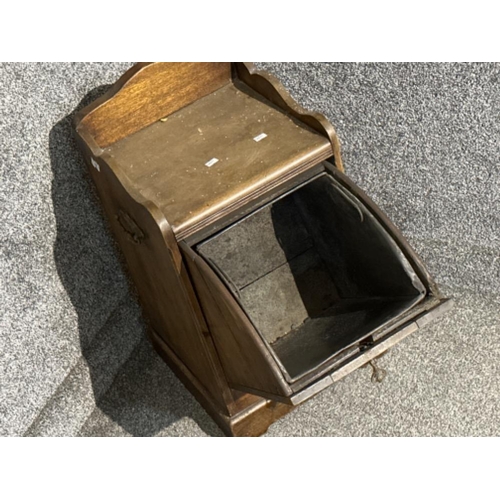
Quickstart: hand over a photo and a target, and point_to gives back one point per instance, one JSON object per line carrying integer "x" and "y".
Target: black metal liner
{"x": 315, "y": 272}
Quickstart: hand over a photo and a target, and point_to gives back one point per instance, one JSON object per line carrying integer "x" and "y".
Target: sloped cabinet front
{"x": 264, "y": 273}
{"x": 302, "y": 286}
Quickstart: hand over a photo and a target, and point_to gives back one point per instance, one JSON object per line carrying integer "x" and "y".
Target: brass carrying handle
{"x": 378, "y": 373}
{"x": 134, "y": 233}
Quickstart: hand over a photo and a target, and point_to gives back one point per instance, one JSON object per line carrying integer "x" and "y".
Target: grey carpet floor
{"x": 423, "y": 140}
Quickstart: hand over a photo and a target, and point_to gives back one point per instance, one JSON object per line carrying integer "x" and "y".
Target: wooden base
{"x": 253, "y": 414}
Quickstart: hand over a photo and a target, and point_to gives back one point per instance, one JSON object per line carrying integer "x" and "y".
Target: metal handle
{"x": 130, "y": 227}
{"x": 378, "y": 374}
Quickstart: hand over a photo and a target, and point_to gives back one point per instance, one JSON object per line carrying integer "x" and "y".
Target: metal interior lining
{"x": 315, "y": 272}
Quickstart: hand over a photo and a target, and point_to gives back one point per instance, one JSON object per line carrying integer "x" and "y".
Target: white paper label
{"x": 260, "y": 137}
{"x": 95, "y": 164}
{"x": 212, "y": 162}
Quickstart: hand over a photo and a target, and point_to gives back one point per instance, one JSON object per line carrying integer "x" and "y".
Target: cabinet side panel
{"x": 244, "y": 357}
{"x": 155, "y": 267}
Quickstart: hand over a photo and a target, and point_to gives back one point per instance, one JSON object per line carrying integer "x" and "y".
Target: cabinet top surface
{"x": 219, "y": 150}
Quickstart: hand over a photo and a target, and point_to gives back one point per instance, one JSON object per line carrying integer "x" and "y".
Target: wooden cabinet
{"x": 264, "y": 272}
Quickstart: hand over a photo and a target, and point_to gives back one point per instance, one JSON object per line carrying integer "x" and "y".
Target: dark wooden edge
{"x": 250, "y": 421}
{"x": 272, "y": 89}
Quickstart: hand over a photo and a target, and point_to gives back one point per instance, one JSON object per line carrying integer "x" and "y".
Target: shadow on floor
{"x": 132, "y": 386}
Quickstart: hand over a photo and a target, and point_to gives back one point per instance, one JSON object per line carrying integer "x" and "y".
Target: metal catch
{"x": 378, "y": 373}
{"x": 133, "y": 231}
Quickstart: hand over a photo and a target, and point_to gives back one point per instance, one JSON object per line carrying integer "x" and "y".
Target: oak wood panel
{"x": 148, "y": 93}
{"x": 271, "y": 88}
{"x": 247, "y": 363}
{"x": 167, "y": 160}
{"x": 155, "y": 266}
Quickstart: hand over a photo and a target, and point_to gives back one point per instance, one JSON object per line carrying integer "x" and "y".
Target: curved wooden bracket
{"x": 271, "y": 88}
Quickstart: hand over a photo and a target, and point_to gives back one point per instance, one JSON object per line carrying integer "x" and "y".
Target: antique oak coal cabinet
{"x": 264, "y": 273}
